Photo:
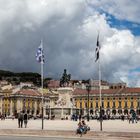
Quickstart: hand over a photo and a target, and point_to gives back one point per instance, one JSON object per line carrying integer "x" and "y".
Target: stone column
{"x": 62, "y": 112}
{"x": 44, "y": 108}
{"x": 105, "y": 111}
{"x": 71, "y": 111}
{"x": 21, "y": 104}
{"x": 117, "y": 112}
{"x": 35, "y": 107}
{"x": 18, "y": 106}
{"x": 110, "y": 111}
{"x": 50, "y": 112}
{"x": 1, "y": 105}
{"x": 85, "y": 112}
{"x": 11, "y": 107}
{"x": 40, "y": 106}
{"x": 122, "y": 110}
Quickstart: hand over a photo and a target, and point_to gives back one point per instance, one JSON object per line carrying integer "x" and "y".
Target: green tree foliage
{"x": 20, "y": 77}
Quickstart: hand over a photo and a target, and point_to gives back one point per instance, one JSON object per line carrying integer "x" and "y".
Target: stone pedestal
{"x": 64, "y": 106}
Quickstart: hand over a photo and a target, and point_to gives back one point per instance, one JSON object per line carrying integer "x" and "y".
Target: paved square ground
{"x": 112, "y": 129}
{"x": 68, "y": 125}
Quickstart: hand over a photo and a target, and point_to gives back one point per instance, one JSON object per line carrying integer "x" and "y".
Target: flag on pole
{"x": 97, "y": 50}
{"x": 40, "y": 59}
{"x": 40, "y": 54}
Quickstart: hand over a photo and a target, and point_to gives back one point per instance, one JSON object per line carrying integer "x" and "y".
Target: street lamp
{"x": 88, "y": 87}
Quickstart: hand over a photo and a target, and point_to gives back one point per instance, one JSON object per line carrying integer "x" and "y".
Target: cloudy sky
{"x": 69, "y": 30}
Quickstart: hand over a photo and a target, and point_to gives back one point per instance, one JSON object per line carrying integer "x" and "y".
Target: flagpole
{"x": 42, "y": 106}
{"x": 97, "y": 51}
{"x": 99, "y": 66}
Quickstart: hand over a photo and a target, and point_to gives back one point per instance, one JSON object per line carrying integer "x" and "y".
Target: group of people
{"x": 132, "y": 117}
{"x": 82, "y": 128}
{"x": 22, "y": 117}
{"x": 76, "y": 117}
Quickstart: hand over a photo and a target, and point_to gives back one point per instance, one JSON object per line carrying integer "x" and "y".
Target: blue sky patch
{"x": 133, "y": 73}
{"x": 123, "y": 24}
{"x": 135, "y": 70}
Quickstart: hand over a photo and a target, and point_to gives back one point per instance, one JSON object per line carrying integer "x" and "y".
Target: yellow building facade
{"x": 114, "y": 101}
{"x": 27, "y": 100}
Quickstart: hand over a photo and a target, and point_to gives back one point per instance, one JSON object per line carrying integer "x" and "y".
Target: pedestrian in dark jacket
{"x": 20, "y": 119}
{"x": 25, "y": 119}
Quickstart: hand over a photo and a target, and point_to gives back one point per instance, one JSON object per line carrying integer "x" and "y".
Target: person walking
{"x": 80, "y": 117}
{"x": 134, "y": 117}
{"x": 25, "y": 118}
{"x": 20, "y": 119}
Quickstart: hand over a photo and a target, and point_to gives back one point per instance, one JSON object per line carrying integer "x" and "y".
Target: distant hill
{"x": 6, "y": 73}
{"x": 20, "y": 77}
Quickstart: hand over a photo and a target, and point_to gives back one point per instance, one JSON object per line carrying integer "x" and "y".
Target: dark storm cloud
{"x": 60, "y": 39}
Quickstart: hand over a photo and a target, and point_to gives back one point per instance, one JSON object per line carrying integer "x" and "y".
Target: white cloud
{"x": 120, "y": 46}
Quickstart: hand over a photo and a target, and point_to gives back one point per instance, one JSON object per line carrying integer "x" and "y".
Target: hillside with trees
{"x": 16, "y": 78}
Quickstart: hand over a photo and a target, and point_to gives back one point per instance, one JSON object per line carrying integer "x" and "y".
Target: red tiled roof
{"x": 107, "y": 91}
{"x": 131, "y": 90}
{"x": 54, "y": 84}
{"x": 28, "y": 92}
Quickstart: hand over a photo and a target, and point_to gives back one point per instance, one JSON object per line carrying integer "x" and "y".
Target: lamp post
{"x": 88, "y": 87}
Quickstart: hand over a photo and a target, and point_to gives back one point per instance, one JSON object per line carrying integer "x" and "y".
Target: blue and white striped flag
{"x": 40, "y": 54}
